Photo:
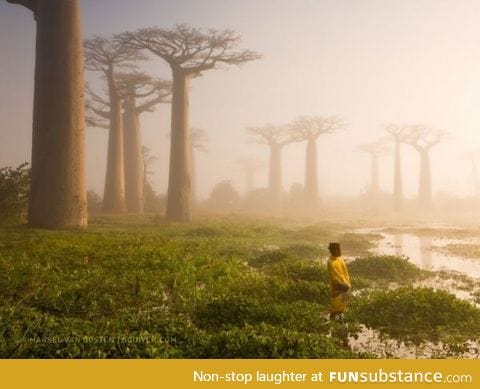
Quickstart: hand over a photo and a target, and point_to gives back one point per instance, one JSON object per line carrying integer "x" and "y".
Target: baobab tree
{"x": 106, "y": 56}
{"x": 58, "y": 196}
{"x": 423, "y": 139}
{"x": 140, "y": 93}
{"x": 309, "y": 129}
{"x": 198, "y": 140}
{"x": 189, "y": 52}
{"x": 275, "y": 137}
{"x": 375, "y": 150}
{"x": 148, "y": 159}
{"x": 398, "y": 135}
{"x": 250, "y": 166}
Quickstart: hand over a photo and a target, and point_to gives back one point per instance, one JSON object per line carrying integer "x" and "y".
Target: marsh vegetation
{"x": 218, "y": 288}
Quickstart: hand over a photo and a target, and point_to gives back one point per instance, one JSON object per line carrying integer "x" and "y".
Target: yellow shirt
{"x": 338, "y": 272}
{"x": 338, "y": 276}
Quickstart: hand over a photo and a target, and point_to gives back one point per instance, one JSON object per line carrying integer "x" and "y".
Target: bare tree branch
{"x": 270, "y": 135}
{"x": 91, "y": 121}
{"x": 375, "y": 149}
{"x": 95, "y": 97}
{"x": 30, "y": 4}
{"x": 105, "y": 55}
{"x": 141, "y": 86}
{"x": 189, "y": 49}
{"x": 99, "y": 112}
{"x": 311, "y": 127}
{"x": 397, "y": 131}
{"x": 423, "y": 138}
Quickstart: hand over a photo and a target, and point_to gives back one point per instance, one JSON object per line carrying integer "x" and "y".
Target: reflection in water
{"x": 398, "y": 244}
{"x": 426, "y": 252}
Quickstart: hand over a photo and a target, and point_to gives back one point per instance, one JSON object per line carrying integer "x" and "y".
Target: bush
{"x": 154, "y": 202}
{"x": 303, "y": 254}
{"x": 14, "y": 191}
{"x": 384, "y": 268}
{"x": 419, "y": 314}
{"x": 267, "y": 341}
{"x": 94, "y": 202}
{"x": 224, "y": 196}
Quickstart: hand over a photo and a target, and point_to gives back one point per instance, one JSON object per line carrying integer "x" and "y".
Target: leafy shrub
{"x": 237, "y": 311}
{"x": 14, "y": 192}
{"x": 269, "y": 256}
{"x": 418, "y": 314}
{"x": 267, "y": 341}
{"x": 223, "y": 196}
{"x": 298, "y": 270}
{"x": 384, "y": 268}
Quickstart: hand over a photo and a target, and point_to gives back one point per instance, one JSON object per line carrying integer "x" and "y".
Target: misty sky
{"x": 370, "y": 61}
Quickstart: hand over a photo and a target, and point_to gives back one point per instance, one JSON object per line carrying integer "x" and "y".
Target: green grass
{"x": 140, "y": 287}
{"x": 419, "y": 314}
{"x": 136, "y": 277}
{"x": 385, "y": 268}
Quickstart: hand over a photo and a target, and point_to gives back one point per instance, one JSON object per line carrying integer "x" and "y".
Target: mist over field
{"x": 369, "y": 62}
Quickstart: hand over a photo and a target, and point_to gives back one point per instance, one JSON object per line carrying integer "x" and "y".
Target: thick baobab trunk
{"x": 179, "y": 185}
{"x": 425, "y": 184}
{"x": 275, "y": 173}
{"x": 311, "y": 172}
{"x": 114, "y": 193}
{"x": 133, "y": 158}
{"x": 58, "y": 195}
{"x": 397, "y": 185}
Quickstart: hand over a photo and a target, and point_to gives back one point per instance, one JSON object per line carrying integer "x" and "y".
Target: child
{"x": 339, "y": 281}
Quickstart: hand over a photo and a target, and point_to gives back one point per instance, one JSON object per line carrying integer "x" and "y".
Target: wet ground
{"x": 426, "y": 252}
{"x": 459, "y": 275}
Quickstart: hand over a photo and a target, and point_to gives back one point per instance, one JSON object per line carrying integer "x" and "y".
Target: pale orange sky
{"x": 370, "y": 61}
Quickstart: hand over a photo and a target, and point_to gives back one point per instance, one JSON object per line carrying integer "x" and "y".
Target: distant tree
{"x": 398, "y": 134}
{"x": 94, "y": 121}
{"x": 189, "y": 52}
{"x": 198, "y": 141}
{"x": 423, "y": 139}
{"x": 147, "y": 161}
{"x": 106, "y": 56}
{"x": 140, "y": 93}
{"x": 250, "y": 166}
{"x": 94, "y": 201}
{"x": 153, "y": 201}
{"x": 224, "y": 196}
{"x": 14, "y": 193}
{"x": 58, "y": 193}
{"x": 275, "y": 137}
{"x": 309, "y": 129}
{"x": 375, "y": 150}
